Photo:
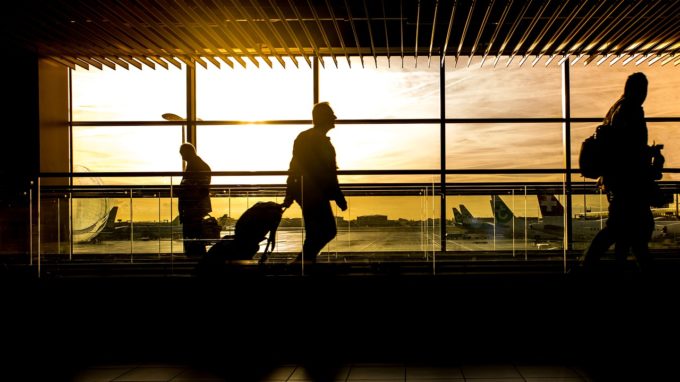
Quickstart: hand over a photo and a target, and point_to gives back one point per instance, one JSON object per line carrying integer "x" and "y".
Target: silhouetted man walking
{"x": 628, "y": 182}
{"x": 193, "y": 201}
{"x": 313, "y": 182}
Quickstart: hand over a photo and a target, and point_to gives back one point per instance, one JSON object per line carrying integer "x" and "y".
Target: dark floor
{"x": 524, "y": 327}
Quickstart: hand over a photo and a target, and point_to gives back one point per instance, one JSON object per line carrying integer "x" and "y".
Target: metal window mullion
{"x": 442, "y": 153}
{"x": 191, "y": 106}
{"x": 566, "y": 144}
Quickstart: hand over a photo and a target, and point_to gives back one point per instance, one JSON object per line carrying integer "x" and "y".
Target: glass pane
{"x": 380, "y": 147}
{"x": 394, "y": 91}
{"x": 255, "y": 94}
{"x": 126, "y": 149}
{"x": 504, "y": 146}
{"x": 503, "y": 221}
{"x": 247, "y": 147}
{"x": 659, "y": 132}
{"x": 128, "y": 95}
{"x": 594, "y": 88}
{"x": 358, "y": 147}
{"x": 477, "y": 91}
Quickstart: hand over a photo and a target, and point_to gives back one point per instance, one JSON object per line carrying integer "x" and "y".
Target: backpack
{"x": 595, "y": 155}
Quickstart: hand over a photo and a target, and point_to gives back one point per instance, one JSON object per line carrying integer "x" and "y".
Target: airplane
{"x": 468, "y": 226}
{"x": 507, "y": 224}
{"x": 118, "y": 230}
{"x": 470, "y": 222}
{"x": 551, "y": 226}
{"x": 145, "y": 230}
{"x": 90, "y": 233}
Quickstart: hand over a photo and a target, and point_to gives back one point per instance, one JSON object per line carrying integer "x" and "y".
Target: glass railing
{"x": 104, "y": 219}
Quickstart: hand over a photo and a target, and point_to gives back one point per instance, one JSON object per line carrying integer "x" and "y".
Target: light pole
{"x": 176, "y": 118}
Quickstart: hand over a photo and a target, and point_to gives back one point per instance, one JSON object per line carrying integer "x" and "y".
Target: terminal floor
{"x": 495, "y": 327}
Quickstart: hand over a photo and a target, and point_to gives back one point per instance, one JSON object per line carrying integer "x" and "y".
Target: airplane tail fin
{"x": 550, "y": 205}
{"x": 551, "y": 210}
{"x": 466, "y": 213}
{"x": 501, "y": 212}
{"x": 457, "y": 216}
{"x": 111, "y": 219}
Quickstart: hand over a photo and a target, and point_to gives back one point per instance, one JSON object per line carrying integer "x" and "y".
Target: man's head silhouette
{"x": 187, "y": 151}
{"x": 323, "y": 116}
{"x": 636, "y": 88}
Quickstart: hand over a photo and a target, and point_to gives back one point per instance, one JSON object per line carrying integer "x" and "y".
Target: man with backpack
{"x": 193, "y": 200}
{"x": 628, "y": 180}
{"x": 313, "y": 182}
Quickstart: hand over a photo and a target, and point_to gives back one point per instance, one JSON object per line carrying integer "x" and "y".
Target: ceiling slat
{"x": 133, "y": 33}
{"x": 256, "y": 27}
{"x": 161, "y": 33}
{"x": 528, "y": 30}
{"x": 354, "y": 32}
{"x": 434, "y": 26}
{"x": 104, "y": 61}
{"x": 658, "y": 31}
{"x": 291, "y": 32}
{"x": 306, "y": 32}
{"x": 209, "y": 39}
{"x": 324, "y": 36}
{"x": 370, "y": 34}
{"x": 279, "y": 38}
{"x": 338, "y": 32}
{"x": 501, "y": 22}
{"x": 511, "y": 32}
{"x": 448, "y": 32}
{"x": 118, "y": 62}
{"x": 143, "y": 38}
{"x": 556, "y": 34}
{"x": 415, "y": 50}
{"x": 180, "y": 38}
{"x": 599, "y": 34}
{"x": 243, "y": 39}
{"x": 132, "y": 61}
{"x": 387, "y": 34}
{"x": 571, "y": 40}
{"x": 465, "y": 29}
{"x": 481, "y": 31}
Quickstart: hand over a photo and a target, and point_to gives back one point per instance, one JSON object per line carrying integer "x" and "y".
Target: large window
{"x": 477, "y": 91}
{"x": 389, "y": 90}
{"x": 389, "y": 120}
{"x": 127, "y": 95}
{"x": 595, "y": 88}
{"x": 255, "y": 94}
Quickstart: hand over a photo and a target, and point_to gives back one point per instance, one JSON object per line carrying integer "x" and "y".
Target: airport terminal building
{"x": 457, "y": 140}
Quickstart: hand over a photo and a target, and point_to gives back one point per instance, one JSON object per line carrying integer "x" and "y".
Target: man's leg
{"x": 320, "y": 228}
{"x": 600, "y": 244}
{"x": 192, "y": 231}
